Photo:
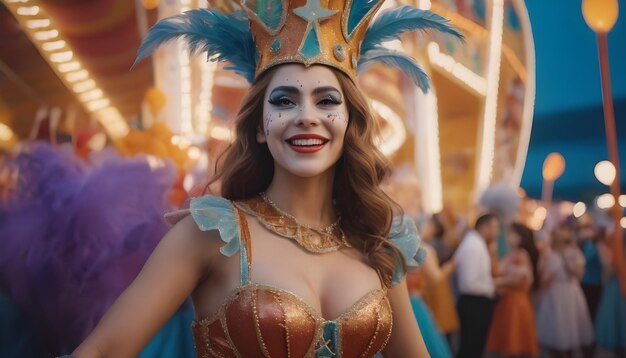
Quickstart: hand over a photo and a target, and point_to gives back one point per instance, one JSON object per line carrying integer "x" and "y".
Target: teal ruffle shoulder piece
{"x": 404, "y": 235}
{"x": 215, "y": 213}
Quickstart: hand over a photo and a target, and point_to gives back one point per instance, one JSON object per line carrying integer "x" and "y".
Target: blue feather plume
{"x": 398, "y": 60}
{"x": 358, "y": 10}
{"x": 224, "y": 37}
{"x": 390, "y": 24}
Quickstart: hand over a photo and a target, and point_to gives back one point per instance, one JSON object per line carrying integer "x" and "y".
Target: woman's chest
{"x": 329, "y": 283}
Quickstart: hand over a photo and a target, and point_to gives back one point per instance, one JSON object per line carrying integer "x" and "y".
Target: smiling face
{"x": 305, "y": 118}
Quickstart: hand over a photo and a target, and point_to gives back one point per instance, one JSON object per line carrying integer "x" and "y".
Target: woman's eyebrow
{"x": 294, "y": 90}
{"x": 287, "y": 89}
{"x": 325, "y": 89}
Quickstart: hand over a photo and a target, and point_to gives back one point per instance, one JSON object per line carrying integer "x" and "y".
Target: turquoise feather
{"x": 395, "y": 59}
{"x": 224, "y": 37}
{"x": 358, "y": 10}
{"x": 391, "y": 24}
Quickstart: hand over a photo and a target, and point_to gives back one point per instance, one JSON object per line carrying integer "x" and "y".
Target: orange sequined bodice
{"x": 265, "y": 321}
{"x": 262, "y": 321}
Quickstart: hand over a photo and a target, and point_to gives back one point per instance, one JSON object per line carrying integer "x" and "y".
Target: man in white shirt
{"x": 475, "y": 285}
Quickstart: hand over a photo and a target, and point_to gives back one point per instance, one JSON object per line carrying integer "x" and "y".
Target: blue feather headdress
{"x": 261, "y": 35}
{"x": 224, "y": 37}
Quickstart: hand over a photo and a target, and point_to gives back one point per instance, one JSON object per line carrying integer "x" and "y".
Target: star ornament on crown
{"x": 261, "y": 34}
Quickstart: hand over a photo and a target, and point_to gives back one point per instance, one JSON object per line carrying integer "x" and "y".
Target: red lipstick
{"x": 307, "y": 143}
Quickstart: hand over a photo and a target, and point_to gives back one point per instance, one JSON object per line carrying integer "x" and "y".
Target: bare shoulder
{"x": 185, "y": 235}
{"x": 187, "y": 227}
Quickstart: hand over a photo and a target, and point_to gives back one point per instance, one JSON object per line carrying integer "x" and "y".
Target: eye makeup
{"x": 282, "y": 93}
{"x": 333, "y": 97}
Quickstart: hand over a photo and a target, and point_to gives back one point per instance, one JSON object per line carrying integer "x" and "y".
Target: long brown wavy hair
{"x": 246, "y": 168}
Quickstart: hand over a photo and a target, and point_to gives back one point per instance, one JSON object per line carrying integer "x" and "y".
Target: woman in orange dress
{"x": 513, "y": 331}
{"x": 438, "y": 293}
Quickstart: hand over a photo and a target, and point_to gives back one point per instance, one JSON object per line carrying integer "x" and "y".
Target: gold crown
{"x": 310, "y": 32}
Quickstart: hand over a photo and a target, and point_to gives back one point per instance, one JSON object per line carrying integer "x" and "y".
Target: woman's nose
{"x": 308, "y": 117}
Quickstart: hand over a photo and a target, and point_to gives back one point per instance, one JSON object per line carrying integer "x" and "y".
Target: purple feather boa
{"x": 75, "y": 234}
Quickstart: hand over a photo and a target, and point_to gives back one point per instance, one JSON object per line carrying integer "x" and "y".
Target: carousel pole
{"x": 553, "y": 169}
{"x": 601, "y": 15}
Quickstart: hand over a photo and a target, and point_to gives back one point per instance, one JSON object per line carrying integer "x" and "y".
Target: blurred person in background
{"x": 431, "y": 333}
{"x": 504, "y": 202}
{"x": 610, "y": 321}
{"x": 563, "y": 321}
{"x": 513, "y": 332}
{"x": 587, "y": 235}
{"x": 454, "y": 228}
{"x": 475, "y": 285}
{"x": 404, "y": 189}
{"x": 438, "y": 294}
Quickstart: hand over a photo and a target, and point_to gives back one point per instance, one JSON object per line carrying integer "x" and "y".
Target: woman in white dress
{"x": 563, "y": 321}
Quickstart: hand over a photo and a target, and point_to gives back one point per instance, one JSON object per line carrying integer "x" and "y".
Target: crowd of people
{"x": 548, "y": 293}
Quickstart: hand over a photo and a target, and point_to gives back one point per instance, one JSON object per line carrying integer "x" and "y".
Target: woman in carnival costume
{"x": 303, "y": 255}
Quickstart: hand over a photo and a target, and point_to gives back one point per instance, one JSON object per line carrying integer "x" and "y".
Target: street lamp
{"x": 601, "y": 16}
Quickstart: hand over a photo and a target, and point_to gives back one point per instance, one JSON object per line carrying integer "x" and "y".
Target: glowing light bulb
{"x": 579, "y": 209}
{"x": 553, "y": 166}
{"x": 600, "y": 15}
{"x": 605, "y": 172}
{"x": 28, "y": 11}
{"x": 605, "y": 201}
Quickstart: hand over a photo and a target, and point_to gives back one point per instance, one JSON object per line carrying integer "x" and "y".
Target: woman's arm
{"x": 406, "y": 339}
{"x": 169, "y": 276}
